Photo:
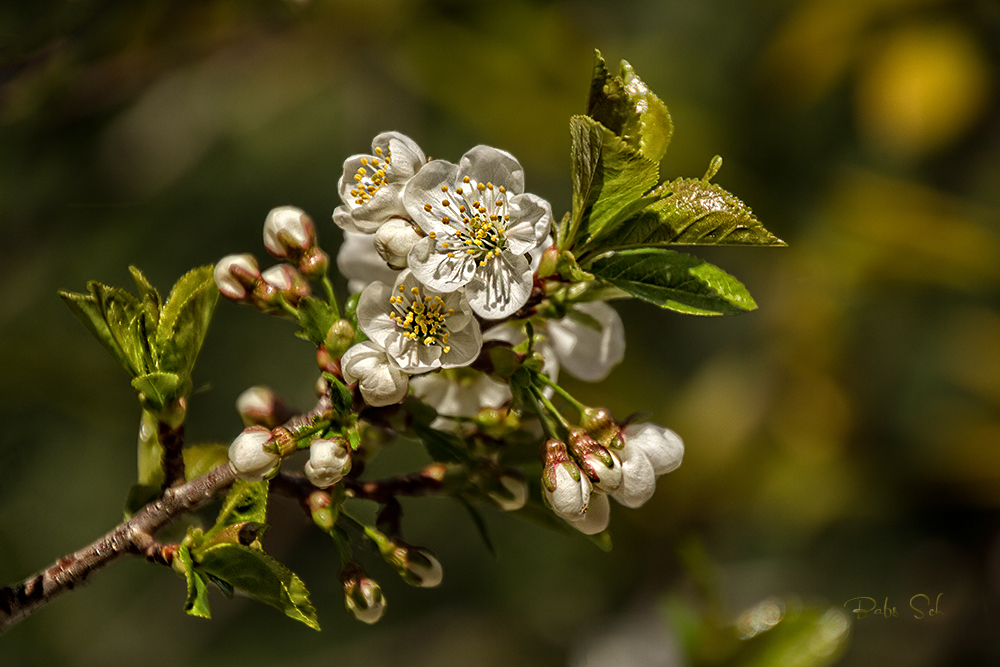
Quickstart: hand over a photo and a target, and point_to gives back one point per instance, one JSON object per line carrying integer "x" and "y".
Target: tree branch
{"x": 134, "y": 536}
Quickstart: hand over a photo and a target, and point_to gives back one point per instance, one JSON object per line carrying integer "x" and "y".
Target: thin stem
{"x": 580, "y": 407}
{"x": 548, "y": 404}
{"x": 330, "y": 296}
{"x": 547, "y": 424}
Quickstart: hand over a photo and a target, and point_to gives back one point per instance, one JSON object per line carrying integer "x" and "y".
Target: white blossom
{"x": 360, "y": 263}
{"x": 394, "y": 240}
{"x": 379, "y": 377}
{"x": 371, "y": 185}
{"x": 649, "y": 451}
{"x": 329, "y": 461}
{"x": 479, "y": 225}
{"x": 419, "y": 328}
{"x": 288, "y": 232}
{"x": 247, "y": 455}
{"x": 364, "y": 599}
{"x": 423, "y": 569}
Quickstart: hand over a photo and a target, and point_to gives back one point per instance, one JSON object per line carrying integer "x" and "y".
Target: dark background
{"x": 842, "y": 441}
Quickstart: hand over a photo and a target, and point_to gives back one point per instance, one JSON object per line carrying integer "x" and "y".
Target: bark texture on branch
{"x": 133, "y": 536}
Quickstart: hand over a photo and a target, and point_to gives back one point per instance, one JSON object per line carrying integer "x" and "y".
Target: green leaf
{"x": 625, "y": 105}
{"x": 443, "y": 446}
{"x": 184, "y": 321}
{"x": 480, "y": 523}
{"x": 245, "y": 502}
{"x": 159, "y": 389}
{"x": 695, "y": 212}
{"x": 260, "y": 576}
{"x": 339, "y": 394}
{"x": 203, "y": 457}
{"x": 148, "y": 295}
{"x": 88, "y": 310}
{"x": 197, "y": 585}
{"x": 316, "y": 317}
{"x": 610, "y": 181}
{"x": 674, "y": 280}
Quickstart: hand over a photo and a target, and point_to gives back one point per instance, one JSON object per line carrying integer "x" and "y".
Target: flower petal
{"x": 596, "y": 518}
{"x": 500, "y": 287}
{"x": 360, "y": 263}
{"x": 485, "y": 164}
{"x": 464, "y": 345}
{"x": 424, "y": 190}
{"x": 638, "y": 478}
{"x": 662, "y": 447}
{"x": 534, "y": 221}
{"x": 434, "y": 268}
{"x": 585, "y": 352}
{"x": 373, "y": 313}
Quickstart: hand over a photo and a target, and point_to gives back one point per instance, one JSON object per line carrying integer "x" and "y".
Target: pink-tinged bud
{"x": 259, "y": 406}
{"x": 602, "y": 427}
{"x": 314, "y": 263}
{"x": 287, "y": 281}
{"x": 289, "y": 232}
{"x": 329, "y": 461}
{"x": 514, "y": 494}
{"x": 248, "y": 457}
{"x": 236, "y": 275}
{"x": 599, "y": 464}
{"x": 362, "y": 596}
{"x": 339, "y": 338}
{"x": 564, "y": 486}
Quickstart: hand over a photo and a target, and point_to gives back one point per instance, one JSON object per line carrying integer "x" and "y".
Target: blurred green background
{"x": 842, "y": 441}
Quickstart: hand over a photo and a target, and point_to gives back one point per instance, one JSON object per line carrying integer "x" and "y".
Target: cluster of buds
{"x": 605, "y": 460}
{"x": 289, "y": 235}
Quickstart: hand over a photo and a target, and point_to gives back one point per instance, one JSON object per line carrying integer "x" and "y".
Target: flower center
{"x": 422, "y": 318}
{"x": 481, "y": 223}
{"x": 369, "y": 183}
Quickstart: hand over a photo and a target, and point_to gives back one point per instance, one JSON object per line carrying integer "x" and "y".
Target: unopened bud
{"x": 393, "y": 242}
{"x": 248, "y": 457}
{"x": 289, "y": 232}
{"x": 602, "y": 467}
{"x": 286, "y": 279}
{"x": 339, "y": 338}
{"x": 329, "y": 461}
{"x": 320, "y": 508}
{"x": 236, "y": 275}
{"x": 602, "y": 427}
{"x": 418, "y": 567}
{"x": 550, "y": 259}
{"x": 514, "y": 493}
{"x": 362, "y": 596}
{"x": 314, "y": 263}
{"x": 596, "y": 518}
{"x": 564, "y": 486}
{"x": 260, "y": 406}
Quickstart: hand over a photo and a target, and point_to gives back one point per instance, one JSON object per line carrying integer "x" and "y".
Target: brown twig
{"x": 134, "y": 536}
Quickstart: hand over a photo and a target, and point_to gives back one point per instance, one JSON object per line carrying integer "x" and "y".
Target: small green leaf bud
{"x": 320, "y": 508}
{"x": 549, "y": 263}
{"x": 339, "y": 338}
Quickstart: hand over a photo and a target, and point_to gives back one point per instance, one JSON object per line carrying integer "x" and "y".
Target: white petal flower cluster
{"x": 578, "y": 488}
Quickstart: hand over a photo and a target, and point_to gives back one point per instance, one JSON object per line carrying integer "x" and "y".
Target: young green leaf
{"x": 197, "y": 585}
{"x": 675, "y": 281}
{"x": 184, "y": 321}
{"x": 88, "y": 310}
{"x": 246, "y": 501}
{"x": 148, "y": 295}
{"x": 694, "y": 212}
{"x": 610, "y": 181}
{"x": 202, "y": 457}
{"x": 260, "y": 576}
{"x": 443, "y": 446}
{"x": 159, "y": 389}
{"x": 316, "y": 317}
{"x": 625, "y": 105}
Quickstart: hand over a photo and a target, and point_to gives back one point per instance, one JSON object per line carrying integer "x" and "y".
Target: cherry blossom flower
{"x": 419, "y": 328}
{"x": 329, "y": 461}
{"x": 479, "y": 225}
{"x": 371, "y": 185}
{"x": 247, "y": 456}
